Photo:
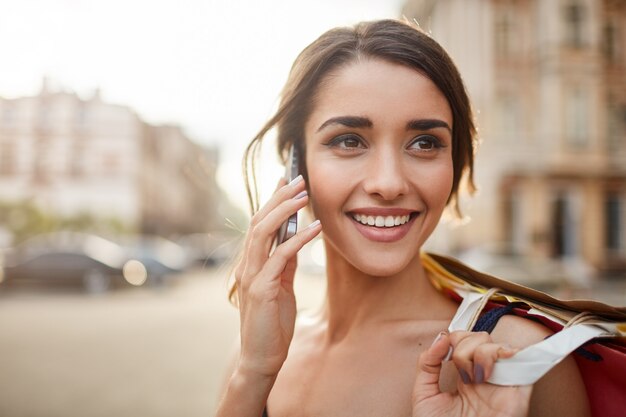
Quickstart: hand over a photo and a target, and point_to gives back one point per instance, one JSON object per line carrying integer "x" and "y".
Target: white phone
{"x": 290, "y": 227}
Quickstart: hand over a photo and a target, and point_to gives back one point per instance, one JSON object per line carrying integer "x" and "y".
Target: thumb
{"x": 429, "y": 368}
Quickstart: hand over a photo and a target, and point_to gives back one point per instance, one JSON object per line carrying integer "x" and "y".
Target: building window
{"x": 615, "y": 131}
{"x": 8, "y": 114}
{"x": 7, "y": 159}
{"x": 610, "y": 46}
{"x": 111, "y": 164}
{"x": 614, "y": 223}
{"x": 76, "y": 164}
{"x": 44, "y": 117}
{"x": 504, "y": 34}
{"x": 508, "y": 116}
{"x": 564, "y": 221}
{"x": 577, "y": 117}
{"x": 81, "y": 115}
{"x": 574, "y": 16}
{"x": 40, "y": 171}
{"x": 514, "y": 222}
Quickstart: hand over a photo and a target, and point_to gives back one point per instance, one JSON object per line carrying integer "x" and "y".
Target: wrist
{"x": 251, "y": 367}
{"x": 246, "y": 394}
{"x": 246, "y": 375}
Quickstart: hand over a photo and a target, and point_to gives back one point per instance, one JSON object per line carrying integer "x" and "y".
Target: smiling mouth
{"x": 382, "y": 221}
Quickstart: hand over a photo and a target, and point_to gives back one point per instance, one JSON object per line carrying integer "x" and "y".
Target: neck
{"x": 356, "y": 300}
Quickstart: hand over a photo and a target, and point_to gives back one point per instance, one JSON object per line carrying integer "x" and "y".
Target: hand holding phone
{"x": 289, "y": 228}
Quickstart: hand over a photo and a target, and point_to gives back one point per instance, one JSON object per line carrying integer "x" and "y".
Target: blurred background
{"x": 122, "y": 126}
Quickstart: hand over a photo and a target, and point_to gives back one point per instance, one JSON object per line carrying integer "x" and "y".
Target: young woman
{"x": 384, "y": 130}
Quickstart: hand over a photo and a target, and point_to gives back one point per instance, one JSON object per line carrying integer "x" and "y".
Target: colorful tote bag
{"x": 595, "y": 333}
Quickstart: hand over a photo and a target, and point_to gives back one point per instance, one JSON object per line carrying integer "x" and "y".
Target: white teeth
{"x": 381, "y": 221}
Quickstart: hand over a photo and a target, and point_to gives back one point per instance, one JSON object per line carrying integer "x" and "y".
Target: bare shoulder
{"x": 519, "y": 332}
{"x": 561, "y": 392}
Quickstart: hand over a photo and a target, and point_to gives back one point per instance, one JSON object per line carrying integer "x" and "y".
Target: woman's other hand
{"x": 265, "y": 282}
{"x": 474, "y": 355}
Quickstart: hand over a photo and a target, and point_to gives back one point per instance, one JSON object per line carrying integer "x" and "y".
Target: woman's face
{"x": 379, "y": 159}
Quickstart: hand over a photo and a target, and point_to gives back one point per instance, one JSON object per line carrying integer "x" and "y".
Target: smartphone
{"x": 289, "y": 228}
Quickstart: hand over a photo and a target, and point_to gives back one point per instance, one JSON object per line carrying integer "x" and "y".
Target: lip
{"x": 384, "y": 234}
{"x": 381, "y": 211}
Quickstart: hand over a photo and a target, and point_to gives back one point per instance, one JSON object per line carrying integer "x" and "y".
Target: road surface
{"x": 139, "y": 352}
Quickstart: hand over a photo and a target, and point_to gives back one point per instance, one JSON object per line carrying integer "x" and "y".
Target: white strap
{"x": 532, "y": 362}
{"x": 467, "y": 311}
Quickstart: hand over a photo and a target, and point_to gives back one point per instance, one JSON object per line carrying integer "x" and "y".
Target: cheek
{"x": 322, "y": 189}
{"x": 436, "y": 183}
{"x": 446, "y": 183}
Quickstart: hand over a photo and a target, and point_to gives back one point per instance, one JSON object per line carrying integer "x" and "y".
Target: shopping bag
{"x": 595, "y": 333}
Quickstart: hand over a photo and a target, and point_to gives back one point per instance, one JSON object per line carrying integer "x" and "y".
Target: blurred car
{"x": 161, "y": 257}
{"x": 210, "y": 249}
{"x": 71, "y": 258}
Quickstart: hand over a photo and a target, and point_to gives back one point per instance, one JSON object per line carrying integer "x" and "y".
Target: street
{"x": 133, "y": 352}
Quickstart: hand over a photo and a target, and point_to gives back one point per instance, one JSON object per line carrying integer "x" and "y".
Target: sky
{"x": 213, "y": 67}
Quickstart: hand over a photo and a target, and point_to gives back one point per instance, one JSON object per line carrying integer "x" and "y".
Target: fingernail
{"x": 449, "y": 355}
{"x": 464, "y": 376}
{"x": 312, "y": 225}
{"x": 439, "y": 336}
{"x": 300, "y": 195}
{"x": 296, "y": 180}
{"x": 479, "y": 374}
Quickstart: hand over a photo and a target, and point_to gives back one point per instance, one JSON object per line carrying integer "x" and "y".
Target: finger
{"x": 465, "y": 345}
{"x": 288, "y": 250}
{"x": 281, "y": 192}
{"x": 485, "y": 356}
{"x": 429, "y": 368}
{"x": 263, "y": 234}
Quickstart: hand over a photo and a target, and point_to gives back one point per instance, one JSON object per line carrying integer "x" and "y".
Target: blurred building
{"x": 548, "y": 84}
{"x": 74, "y": 156}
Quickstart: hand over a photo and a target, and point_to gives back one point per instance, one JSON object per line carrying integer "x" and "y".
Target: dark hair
{"x": 391, "y": 40}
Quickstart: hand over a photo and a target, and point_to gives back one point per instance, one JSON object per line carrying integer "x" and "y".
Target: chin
{"x": 382, "y": 264}
{"x": 373, "y": 259}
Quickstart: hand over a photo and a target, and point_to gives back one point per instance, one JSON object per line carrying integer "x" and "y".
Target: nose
{"x": 385, "y": 176}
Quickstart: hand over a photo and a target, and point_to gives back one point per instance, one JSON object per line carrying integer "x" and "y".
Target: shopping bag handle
{"x": 529, "y": 364}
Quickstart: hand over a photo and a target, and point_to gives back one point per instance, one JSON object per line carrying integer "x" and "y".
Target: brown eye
{"x": 425, "y": 143}
{"x": 347, "y": 142}
{"x": 351, "y": 143}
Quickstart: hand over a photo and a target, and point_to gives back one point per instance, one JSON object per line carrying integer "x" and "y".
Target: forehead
{"x": 385, "y": 92}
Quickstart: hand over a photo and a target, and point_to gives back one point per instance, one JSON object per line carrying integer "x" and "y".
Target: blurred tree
{"x": 24, "y": 219}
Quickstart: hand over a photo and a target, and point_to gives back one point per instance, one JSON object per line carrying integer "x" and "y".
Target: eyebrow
{"x": 427, "y": 124}
{"x": 361, "y": 122}
{"x": 348, "y": 121}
